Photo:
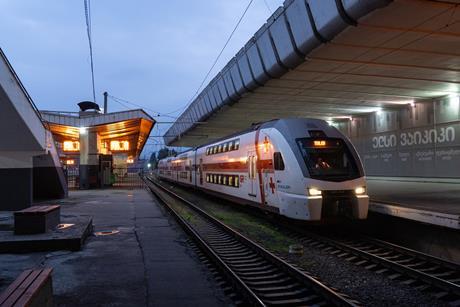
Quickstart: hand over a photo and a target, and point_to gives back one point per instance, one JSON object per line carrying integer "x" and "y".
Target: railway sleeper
{"x": 275, "y": 276}
{"x": 308, "y": 300}
{"x": 255, "y": 269}
{"x": 286, "y": 294}
{"x": 250, "y": 265}
{"x": 278, "y": 282}
{"x": 257, "y": 273}
{"x": 247, "y": 253}
{"x": 238, "y": 261}
{"x": 289, "y": 287}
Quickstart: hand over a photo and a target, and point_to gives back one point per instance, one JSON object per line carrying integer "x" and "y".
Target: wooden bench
{"x": 37, "y": 219}
{"x": 33, "y": 288}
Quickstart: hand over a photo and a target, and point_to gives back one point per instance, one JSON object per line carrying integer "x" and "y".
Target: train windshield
{"x": 328, "y": 159}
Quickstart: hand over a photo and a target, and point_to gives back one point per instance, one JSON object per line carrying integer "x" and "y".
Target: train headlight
{"x": 314, "y": 192}
{"x": 360, "y": 190}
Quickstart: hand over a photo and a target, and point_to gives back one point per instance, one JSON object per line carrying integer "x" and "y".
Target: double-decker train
{"x": 301, "y": 168}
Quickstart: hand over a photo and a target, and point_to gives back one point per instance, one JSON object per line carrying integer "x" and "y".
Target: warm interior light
{"x": 130, "y": 160}
{"x": 70, "y": 162}
{"x": 71, "y": 146}
{"x": 314, "y": 192}
{"x": 266, "y": 144}
{"x": 119, "y": 145}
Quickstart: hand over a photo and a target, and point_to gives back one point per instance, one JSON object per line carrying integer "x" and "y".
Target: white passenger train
{"x": 301, "y": 168}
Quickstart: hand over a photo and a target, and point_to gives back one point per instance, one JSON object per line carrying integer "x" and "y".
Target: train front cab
{"x": 336, "y": 188}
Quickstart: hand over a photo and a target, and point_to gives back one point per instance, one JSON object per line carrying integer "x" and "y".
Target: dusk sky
{"x": 152, "y": 53}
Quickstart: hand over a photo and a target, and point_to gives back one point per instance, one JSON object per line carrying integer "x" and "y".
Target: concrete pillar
{"x": 89, "y": 159}
{"x": 16, "y": 180}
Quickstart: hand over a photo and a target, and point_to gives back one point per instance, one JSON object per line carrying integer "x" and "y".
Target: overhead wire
{"x": 216, "y": 60}
{"x": 87, "y": 4}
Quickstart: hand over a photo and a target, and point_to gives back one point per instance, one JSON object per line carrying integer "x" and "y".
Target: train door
{"x": 252, "y": 174}
{"x": 190, "y": 170}
{"x": 268, "y": 172}
{"x": 200, "y": 169}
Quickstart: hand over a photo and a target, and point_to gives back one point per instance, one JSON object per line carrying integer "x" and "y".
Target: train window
{"x": 225, "y": 147}
{"x": 230, "y": 180}
{"x": 220, "y": 179}
{"x": 219, "y": 148}
{"x": 224, "y": 180}
{"x": 278, "y": 161}
{"x": 214, "y": 178}
{"x": 230, "y": 146}
{"x": 214, "y": 149}
{"x": 237, "y": 144}
{"x": 237, "y": 183}
{"x": 332, "y": 160}
{"x": 207, "y": 178}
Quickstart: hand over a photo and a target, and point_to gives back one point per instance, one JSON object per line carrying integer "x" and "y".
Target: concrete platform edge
{"x": 423, "y": 216}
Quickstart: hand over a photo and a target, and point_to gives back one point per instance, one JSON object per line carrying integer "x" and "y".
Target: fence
{"x": 120, "y": 177}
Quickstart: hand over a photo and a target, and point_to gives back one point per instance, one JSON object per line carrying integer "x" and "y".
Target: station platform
{"x": 428, "y": 200}
{"x": 137, "y": 256}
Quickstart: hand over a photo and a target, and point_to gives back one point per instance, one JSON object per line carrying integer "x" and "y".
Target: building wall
{"x": 415, "y": 141}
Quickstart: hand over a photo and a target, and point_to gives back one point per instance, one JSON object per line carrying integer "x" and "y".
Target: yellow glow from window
{"x": 119, "y": 145}
{"x": 319, "y": 143}
{"x": 71, "y": 146}
{"x": 130, "y": 161}
{"x": 70, "y": 162}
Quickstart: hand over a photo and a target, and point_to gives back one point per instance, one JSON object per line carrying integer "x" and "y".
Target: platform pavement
{"x": 148, "y": 263}
{"x": 428, "y": 200}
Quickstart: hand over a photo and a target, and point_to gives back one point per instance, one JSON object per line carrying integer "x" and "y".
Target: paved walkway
{"x": 148, "y": 263}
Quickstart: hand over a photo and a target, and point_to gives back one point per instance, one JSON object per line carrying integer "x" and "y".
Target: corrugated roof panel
{"x": 257, "y": 66}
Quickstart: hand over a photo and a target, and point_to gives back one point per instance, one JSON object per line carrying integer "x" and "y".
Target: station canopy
{"x": 330, "y": 59}
{"x": 133, "y": 126}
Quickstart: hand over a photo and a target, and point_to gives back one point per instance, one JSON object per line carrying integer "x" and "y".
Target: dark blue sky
{"x": 153, "y": 53}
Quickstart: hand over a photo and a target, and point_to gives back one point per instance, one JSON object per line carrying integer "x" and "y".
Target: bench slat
{"x": 36, "y": 285}
{"x": 18, "y": 292}
{"x": 10, "y": 290}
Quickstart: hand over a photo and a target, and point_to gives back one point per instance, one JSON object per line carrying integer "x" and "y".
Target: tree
{"x": 166, "y": 152}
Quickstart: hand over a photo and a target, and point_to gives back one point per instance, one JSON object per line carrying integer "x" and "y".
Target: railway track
{"x": 419, "y": 270}
{"x": 258, "y": 276}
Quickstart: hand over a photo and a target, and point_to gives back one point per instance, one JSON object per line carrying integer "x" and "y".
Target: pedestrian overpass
{"x": 387, "y": 73}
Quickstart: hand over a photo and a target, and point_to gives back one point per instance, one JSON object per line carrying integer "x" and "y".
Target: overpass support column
{"x": 89, "y": 159}
{"x": 16, "y": 180}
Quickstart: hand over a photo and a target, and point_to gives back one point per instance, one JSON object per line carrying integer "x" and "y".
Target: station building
{"x": 95, "y": 148}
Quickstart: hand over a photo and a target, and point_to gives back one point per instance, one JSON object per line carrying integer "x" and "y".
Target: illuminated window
{"x": 71, "y": 146}
{"x": 230, "y": 180}
{"x": 236, "y": 181}
{"x": 224, "y": 147}
{"x": 214, "y": 178}
{"x": 224, "y": 180}
{"x": 237, "y": 144}
{"x": 130, "y": 160}
{"x": 230, "y": 146}
{"x": 70, "y": 162}
{"x": 220, "y": 179}
{"x": 119, "y": 145}
{"x": 220, "y": 148}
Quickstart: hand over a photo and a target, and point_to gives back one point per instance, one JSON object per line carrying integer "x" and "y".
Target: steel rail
{"x": 222, "y": 254}
{"x": 377, "y": 256}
